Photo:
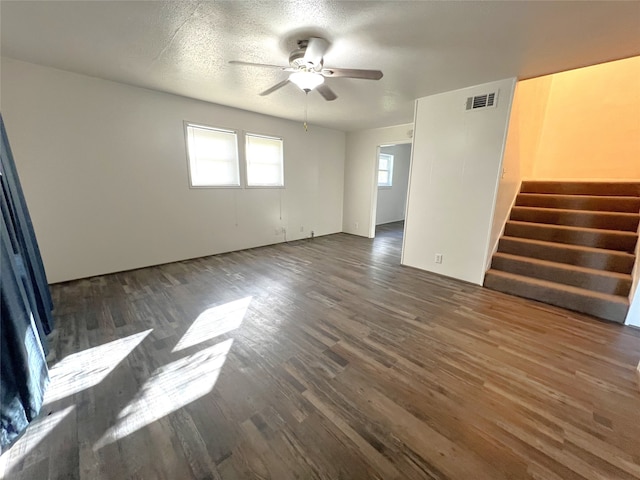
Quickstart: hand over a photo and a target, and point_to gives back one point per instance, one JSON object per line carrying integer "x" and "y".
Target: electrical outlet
{"x": 438, "y": 258}
{"x": 356, "y": 225}
{"x": 284, "y": 231}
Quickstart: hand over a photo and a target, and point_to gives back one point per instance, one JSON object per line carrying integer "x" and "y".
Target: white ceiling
{"x": 422, "y": 47}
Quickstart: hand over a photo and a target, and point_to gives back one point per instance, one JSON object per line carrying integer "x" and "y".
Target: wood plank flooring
{"x": 326, "y": 359}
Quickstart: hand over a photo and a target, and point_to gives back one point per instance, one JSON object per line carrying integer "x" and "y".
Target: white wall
{"x": 633, "y": 315}
{"x": 457, "y": 160}
{"x": 360, "y": 175}
{"x": 103, "y": 166}
{"x": 513, "y": 165}
{"x": 392, "y": 200}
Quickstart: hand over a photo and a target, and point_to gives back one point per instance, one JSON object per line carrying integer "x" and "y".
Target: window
{"x": 385, "y": 170}
{"x": 213, "y": 157}
{"x": 264, "y": 161}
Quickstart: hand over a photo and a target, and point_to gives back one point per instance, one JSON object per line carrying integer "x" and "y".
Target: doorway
{"x": 392, "y": 186}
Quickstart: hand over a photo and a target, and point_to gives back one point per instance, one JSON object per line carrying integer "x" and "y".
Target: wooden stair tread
{"x": 582, "y": 218}
{"x": 586, "y": 256}
{"x": 580, "y": 202}
{"x": 570, "y": 196}
{"x": 579, "y": 212}
{"x": 591, "y": 237}
{"x": 600, "y": 231}
{"x": 561, "y": 286}
{"x": 569, "y": 246}
{"x": 564, "y": 266}
{"x": 631, "y": 189}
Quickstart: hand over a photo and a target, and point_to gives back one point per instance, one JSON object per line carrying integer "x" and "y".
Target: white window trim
{"x": 240, "y": 151}
{"x": 246, "y": 160}
{"x": 389, "y": 184}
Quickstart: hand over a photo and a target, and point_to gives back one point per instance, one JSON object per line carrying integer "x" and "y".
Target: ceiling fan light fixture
{"x": 306, "y": 81}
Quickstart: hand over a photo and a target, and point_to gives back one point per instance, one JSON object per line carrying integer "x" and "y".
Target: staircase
{"x": 570, "y": 244}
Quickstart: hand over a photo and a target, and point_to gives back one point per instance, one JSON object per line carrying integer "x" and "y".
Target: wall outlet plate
{"x": 438, "y": 258}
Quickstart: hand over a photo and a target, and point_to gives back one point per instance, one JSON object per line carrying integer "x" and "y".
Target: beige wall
{"x": 527, "y": 122}
{"x": 578, "y": 124}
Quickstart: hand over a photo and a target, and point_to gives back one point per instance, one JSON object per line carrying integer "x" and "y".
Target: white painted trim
{"x": 374, "y": 195}
{"x": 504, "y": 224}
{"x": 487, "y": 255}
{"x": 186, "y": 124}
{"x": 406, "y": 206}
{"x": 633, "y": 315}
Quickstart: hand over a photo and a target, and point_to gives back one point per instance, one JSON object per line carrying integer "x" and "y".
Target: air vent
{"x": 488, "y": 100}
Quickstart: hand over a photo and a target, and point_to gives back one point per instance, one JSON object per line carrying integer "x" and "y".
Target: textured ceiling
{"x": 422, "y": 47}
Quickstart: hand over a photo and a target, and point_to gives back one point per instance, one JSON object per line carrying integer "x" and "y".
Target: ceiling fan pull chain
{"x": 306, "y": 105}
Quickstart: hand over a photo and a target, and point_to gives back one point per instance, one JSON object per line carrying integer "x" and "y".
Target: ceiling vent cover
{"x": 488, "y": 100}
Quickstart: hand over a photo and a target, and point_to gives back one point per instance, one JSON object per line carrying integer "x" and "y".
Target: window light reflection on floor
{"x": 37, "y": 431}
{"x": 87, "y": 368}
{"x": 170, "y": 388}
{"x": 213, "y": 322}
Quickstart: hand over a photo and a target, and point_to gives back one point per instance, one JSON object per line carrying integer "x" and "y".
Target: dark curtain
{"x": 26, "y": 316}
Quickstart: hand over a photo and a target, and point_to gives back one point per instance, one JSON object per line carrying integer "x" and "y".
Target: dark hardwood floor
{"x": 327, "y": 359}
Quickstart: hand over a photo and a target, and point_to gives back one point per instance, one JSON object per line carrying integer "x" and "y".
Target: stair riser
{"x": 624, "y": 242}
{"x": 557, "y": 253}
{"x": 590, "y": 281}
{"x": 581, "y": 303}
{"x": 628, "y": 205}
{"x": 606, "y": 221}
{"x": 582, "y": 188}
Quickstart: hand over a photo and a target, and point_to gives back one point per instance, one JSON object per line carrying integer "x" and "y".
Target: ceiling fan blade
{"x": 352, "y": 73}
{"x": 326, "y": 92}
{"x": 274, "y": 88}
{"x": 316, "y": 48}
{"x": 263, "y": 65}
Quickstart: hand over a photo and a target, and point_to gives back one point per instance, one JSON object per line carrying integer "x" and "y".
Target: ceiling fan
{"x": 306, "y": 65}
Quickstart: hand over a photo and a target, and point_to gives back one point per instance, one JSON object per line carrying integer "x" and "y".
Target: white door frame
{"x": 374, "y": 196}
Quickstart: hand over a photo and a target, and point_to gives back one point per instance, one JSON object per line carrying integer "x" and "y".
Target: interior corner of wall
{"x": 633, "y": 315}
{"x": 542, "y": 93}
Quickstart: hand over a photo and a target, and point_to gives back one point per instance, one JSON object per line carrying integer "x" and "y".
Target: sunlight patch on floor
{"x": 170, "y": 388}
{"x": 88, "y": 368}
{"x": 33, "y": 435}
{"x": 213, "y": 322}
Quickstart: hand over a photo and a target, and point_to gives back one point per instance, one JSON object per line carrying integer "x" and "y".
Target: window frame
{"x": 247, "y": 134}
{"x": 391, "y": 159}
{"x": 236, "y": 132}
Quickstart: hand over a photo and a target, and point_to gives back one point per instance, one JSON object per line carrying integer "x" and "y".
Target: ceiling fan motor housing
{"x": 306, "y": 64}
{"x": 296, "y": 58}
